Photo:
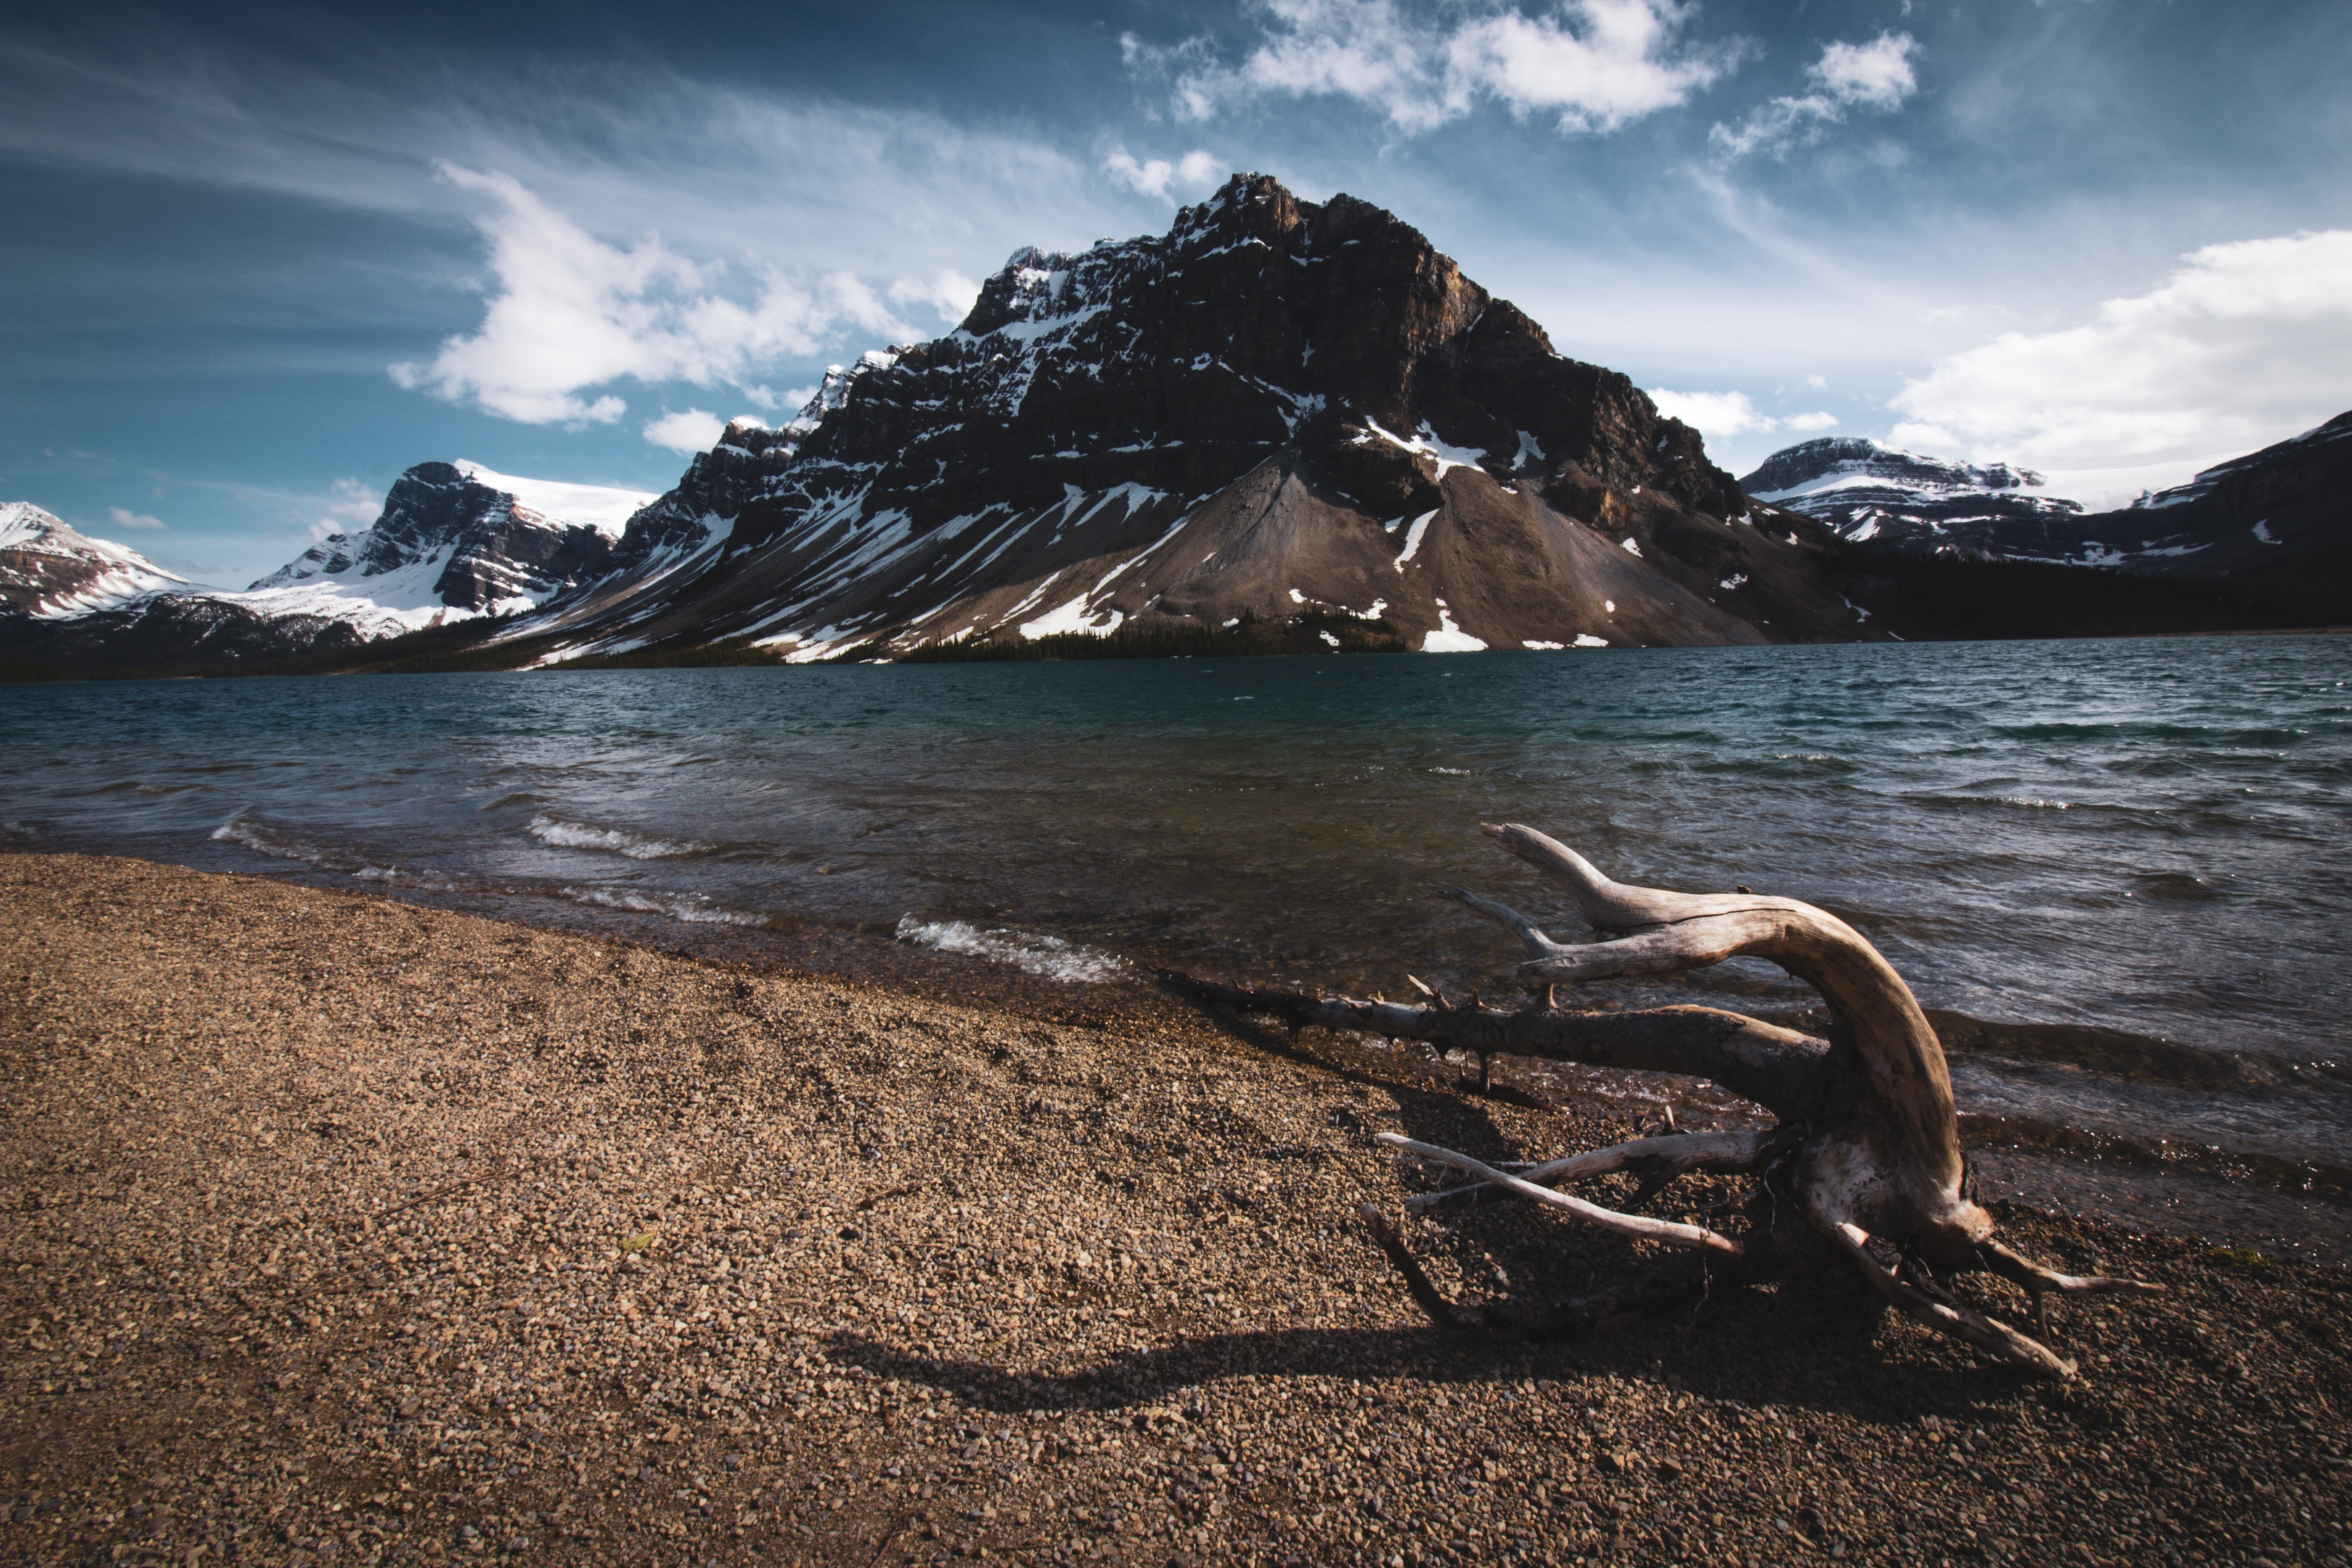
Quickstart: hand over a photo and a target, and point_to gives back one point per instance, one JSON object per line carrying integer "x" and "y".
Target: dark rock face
{"x": 1274, "y": 405}
{"x": 491, "y": 551}
{"x": 2285, "y": 508}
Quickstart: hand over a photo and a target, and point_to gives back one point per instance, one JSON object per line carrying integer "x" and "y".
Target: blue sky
{"x": 258, "y": 260}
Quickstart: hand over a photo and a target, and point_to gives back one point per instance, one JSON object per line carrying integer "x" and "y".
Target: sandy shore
{"x": 339, "y": 1230}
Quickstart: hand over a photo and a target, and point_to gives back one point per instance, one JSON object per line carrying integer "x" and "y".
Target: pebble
{"x": 343, "y": 1231}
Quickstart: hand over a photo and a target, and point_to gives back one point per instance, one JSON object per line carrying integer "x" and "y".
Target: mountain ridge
{"x": 1041, "y": 467}
{"x": 2284, "y": 502}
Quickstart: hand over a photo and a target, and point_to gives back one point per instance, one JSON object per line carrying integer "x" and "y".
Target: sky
{"x": 257, "y": 261}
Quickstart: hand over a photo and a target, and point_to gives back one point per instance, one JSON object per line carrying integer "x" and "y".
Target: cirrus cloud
{"x": 2245, "y": 344}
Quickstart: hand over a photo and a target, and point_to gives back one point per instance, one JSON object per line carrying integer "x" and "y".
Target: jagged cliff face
{"x": 447, "y": 539}
{"x": 1276, "y": 405}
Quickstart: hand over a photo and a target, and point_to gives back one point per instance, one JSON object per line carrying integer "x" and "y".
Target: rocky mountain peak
{"x": 1810, "y": 464}
{"x": 1321, "y": 361}
{"x": 456, "y": 537}
{"x": 48, "y": 568}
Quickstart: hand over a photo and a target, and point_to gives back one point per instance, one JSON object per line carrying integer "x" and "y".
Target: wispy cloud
{"x": 2243, "y": 344}
{"x": 123, "y": 517}
{"x": 789, "y": 179}
{"x": 1593, "y": 64}
{"x": 574, "y": 314}
{"x": 1875, "y": 76}
{"x": 1195, "y": 170}
{"x": 350, "y": 506}
{"x": 949, "y": 295}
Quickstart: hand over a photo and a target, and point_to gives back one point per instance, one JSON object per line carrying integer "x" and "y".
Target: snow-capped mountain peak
{"x": 48, "y": 568}
{"x": 1868, "y": 491}
{"x": 454, "y": 541}
{"x": 1836, "y": 463}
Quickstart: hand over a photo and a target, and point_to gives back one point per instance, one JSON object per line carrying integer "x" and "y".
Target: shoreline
{"x": 727, "y": 654}
{"x": 347, "y": 1229}
{"x": 2290, "y": 1210}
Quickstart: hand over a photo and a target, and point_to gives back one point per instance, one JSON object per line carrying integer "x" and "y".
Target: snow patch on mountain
{"x": 605, "y": 508}
{"x": 60, "y": 572}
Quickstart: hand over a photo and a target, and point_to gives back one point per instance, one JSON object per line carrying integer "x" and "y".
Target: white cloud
{"x": 1195, "y": 170}
{"x": 1713, "y": 413}
{"x": 689, "y": 430}
{"x": 349, "y": 507}
{"x": 1595, "y": 64}
{"x": 2245, "y": 344}
{"x": 574, "y": 314}
{"x": 950, "y": 295}
{"x": 1718, "y": 416}
{"x": 125, "y": 518}
{"x": 1875, "y": 76}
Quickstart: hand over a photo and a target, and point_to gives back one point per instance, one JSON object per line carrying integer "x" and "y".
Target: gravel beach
{"x": 339, "y": 1230}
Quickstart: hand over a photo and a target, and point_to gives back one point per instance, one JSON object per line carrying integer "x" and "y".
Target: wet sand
{"x": 344, "y": 1231}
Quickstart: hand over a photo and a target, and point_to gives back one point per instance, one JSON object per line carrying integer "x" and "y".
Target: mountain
{"x": 454, "y": 541}
{"x": 1277, "y": 409}
{"x": 48, "y": 569}
{"x": 2258, "y": 514}
{"x": 2282, "y": 512}
{"x": 1867, "y": 491}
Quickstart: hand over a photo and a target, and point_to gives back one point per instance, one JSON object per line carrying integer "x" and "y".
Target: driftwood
{"x": 1863, "y": 1168}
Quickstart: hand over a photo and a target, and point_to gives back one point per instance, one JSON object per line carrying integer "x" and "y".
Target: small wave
{"x": 1457, "y": 772}
{"x": 691, "y": 906}
{"x": 398, "y": 877}
{"x": 1048, "y": 956}
{"x": 620, "y": 840}
{"x": 519, "y": 797}
{"x": 236, "y": 830}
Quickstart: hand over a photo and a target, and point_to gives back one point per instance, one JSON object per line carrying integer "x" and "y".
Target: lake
{"x": 2118, "y": 870}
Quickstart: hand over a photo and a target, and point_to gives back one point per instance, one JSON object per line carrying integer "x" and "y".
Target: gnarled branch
{"x": 1868, "y": 1141}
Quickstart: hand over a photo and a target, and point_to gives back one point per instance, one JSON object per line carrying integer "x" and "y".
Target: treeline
{"x": 1930, "y": 598}
{"x": 1923, "y": 598}
{"x": 463, "y": 648}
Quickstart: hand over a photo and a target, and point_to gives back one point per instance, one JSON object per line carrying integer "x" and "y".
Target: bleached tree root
{"x": 1867, "y": 1145}
{"x": 1638, "y": 1226}
{"x": 1660, "y": 1161}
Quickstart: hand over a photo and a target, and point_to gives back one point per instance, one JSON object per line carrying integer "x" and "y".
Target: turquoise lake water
{"x": 2129, "y": 860}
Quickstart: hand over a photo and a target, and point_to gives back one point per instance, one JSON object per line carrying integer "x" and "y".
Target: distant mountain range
{"x": 49, "y": 570}
{"x": 2259, "y": 512}
{"x": 1279, "y": 412}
